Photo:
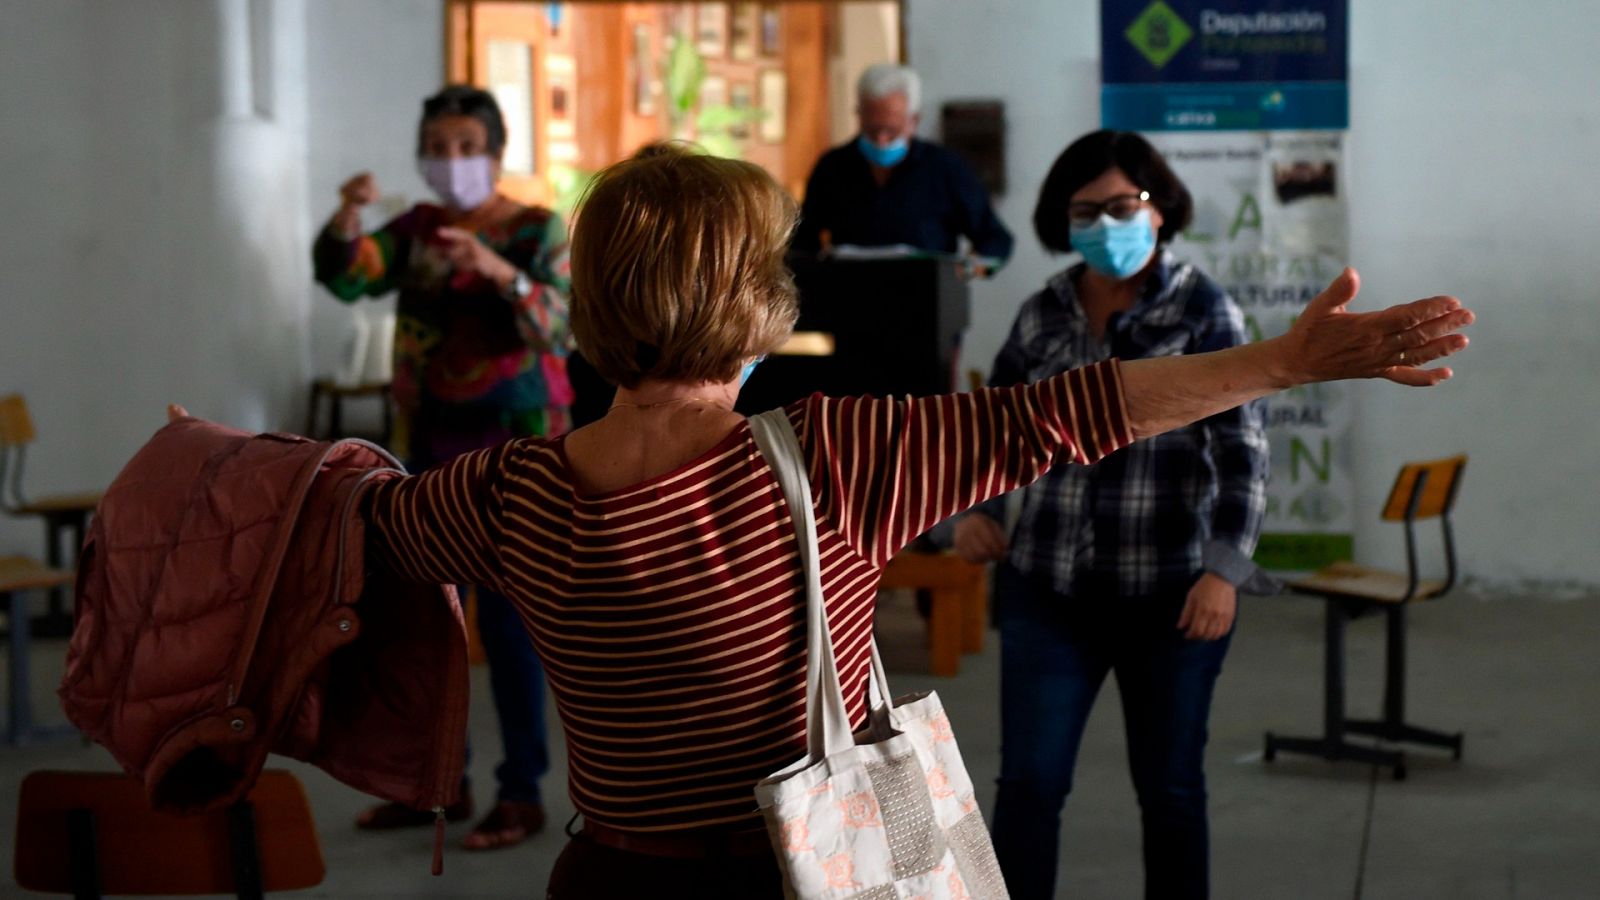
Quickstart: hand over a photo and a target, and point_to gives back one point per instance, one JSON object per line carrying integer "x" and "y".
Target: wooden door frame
{"x": 458, "y": 23}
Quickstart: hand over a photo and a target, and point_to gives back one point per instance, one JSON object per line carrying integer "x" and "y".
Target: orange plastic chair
{"x": 1423, "y": 490}
{"x": 92, "y": 833}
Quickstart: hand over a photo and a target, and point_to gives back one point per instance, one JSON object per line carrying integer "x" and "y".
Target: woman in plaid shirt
{"x": 1130, "y": 565}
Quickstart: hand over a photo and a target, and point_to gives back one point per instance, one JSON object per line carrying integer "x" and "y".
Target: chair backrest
{"x": 16, "y": 426}
{"x": 141, "y": 851}
{"x": 1438, "y": 479}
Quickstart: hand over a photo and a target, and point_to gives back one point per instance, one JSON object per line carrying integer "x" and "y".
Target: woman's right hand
{"x": 359, "y": 191}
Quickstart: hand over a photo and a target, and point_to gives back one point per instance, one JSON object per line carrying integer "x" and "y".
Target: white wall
{"x": 1471, "y": 170}
{"x": 153, "y": 183}
{"x": 370, "y": 63}
{"x": 163, "y": 167}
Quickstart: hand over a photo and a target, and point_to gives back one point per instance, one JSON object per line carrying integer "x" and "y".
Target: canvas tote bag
{"x": 884, "y": 813}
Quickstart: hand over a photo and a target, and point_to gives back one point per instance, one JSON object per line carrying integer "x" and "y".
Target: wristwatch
{"x": 519, "y": 288}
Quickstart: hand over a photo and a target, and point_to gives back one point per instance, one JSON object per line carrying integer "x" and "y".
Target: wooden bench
{"x": 960, "y": 603}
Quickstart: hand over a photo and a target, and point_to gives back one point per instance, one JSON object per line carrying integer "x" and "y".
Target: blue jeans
{"x": 516, "y": 678}
{"x": 1055, "y": 652}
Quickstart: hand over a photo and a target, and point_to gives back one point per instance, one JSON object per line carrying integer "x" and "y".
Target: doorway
{"x": 584, "y": 84}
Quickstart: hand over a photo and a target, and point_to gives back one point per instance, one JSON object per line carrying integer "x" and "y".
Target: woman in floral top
{"x": 479, "y": 358}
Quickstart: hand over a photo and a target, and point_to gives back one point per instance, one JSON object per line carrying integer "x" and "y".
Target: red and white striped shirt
{"x": 670, "y": 615}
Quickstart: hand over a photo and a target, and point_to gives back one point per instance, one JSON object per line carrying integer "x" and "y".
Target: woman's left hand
{"x": 1328, "y": 342}
{"x": 1209, "y": 612}
{"x": 468, "y": 254}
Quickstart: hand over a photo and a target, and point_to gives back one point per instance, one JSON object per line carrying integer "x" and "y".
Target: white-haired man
{"x": 889, "y": 187}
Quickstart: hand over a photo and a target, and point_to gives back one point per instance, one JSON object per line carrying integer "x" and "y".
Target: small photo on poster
{"x": 1297, "y": 180}
{"x": 742, "y": 97}
{"x": 743, "y": 32}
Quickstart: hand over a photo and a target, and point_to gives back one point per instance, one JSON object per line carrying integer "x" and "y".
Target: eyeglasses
{"x": 1122, "y": 208}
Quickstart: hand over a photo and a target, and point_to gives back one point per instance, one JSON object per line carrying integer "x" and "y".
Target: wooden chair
{"x": 335, "y": 395}
{"x": 60, "y": 512}
{"x": 959, "y": 608}
{"x": 20, "y": 577}
{"x": 953, "y": 593}
{"x": 1423, "y": 490}
{"x": 90, "y": 833}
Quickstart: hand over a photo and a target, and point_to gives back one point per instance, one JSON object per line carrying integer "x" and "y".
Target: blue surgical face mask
{"x": 884, "y": 157}
{"x": 749, "y": 367}
{"x": 1116, "y": 248}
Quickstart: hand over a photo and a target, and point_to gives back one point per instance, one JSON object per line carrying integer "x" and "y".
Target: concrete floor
{"x": 1520, "y": 818}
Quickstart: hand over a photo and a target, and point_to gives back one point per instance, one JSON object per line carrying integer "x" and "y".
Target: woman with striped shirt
{"x": 651, "y": 557}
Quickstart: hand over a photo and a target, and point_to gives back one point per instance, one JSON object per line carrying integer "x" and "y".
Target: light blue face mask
{"x": 749, "y": 367}
{"x": 884, "y": 157}
{"x": 1116, "y": 248}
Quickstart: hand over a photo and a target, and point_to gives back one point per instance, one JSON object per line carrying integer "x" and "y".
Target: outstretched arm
{"x": 1327, "y": 343}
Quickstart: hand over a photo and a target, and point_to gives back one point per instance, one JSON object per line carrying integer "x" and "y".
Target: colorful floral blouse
{"x": 473, "y": 366}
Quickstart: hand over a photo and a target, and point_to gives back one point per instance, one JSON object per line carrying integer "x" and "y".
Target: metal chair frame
{"x": 1392, "y": 726}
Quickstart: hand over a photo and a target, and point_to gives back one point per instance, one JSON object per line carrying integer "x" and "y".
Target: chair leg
{"x": 1394, "y": 668}
{"x": 1392, "y": 727}
{"x": 944, "y": 632}
{"x": 83, "y": 855}
{"x": 311, "y": 410}
{"x": 1332, "y": 744}
{"x": 1333, "y": 673}
{"x": 20, "y": 727}
{"x": 20, "y": 716}
{"x": 245, "y": 850}
{"x": 974, "y": 615}
{"x": 57, "y": 619}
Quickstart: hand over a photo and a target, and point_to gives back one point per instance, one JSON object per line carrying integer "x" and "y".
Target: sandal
{"x": 386, "y": 816}
{"x": 508, "y": 824}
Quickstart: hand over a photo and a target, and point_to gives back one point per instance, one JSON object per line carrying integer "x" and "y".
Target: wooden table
{"x": 21, "y": 577}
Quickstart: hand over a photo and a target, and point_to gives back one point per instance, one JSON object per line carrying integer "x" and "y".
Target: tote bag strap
{"x": 827, "y": 719}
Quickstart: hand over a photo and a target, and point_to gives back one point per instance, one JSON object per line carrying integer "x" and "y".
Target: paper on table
{"x": 891, "y": 251}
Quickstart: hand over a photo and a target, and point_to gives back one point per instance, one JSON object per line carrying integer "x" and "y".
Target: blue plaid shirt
{"x": 1147, "y": 519}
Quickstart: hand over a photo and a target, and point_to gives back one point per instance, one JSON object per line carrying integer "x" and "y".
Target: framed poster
{"x": 773, "y": 101}
{"x": 771, "y": 29}
{"x": 713, "y": 92}
{"x": 743, "y": 31}
{"x": 711, "y": 30}
{"x": 742, "y": 98}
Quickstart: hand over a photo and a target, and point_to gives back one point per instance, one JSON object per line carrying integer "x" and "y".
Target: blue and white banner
{"x": 1247, "y": 101}
{"x": 1225, "y": 65}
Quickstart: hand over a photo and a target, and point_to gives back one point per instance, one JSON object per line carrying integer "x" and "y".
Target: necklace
{"x": 665, "y": 403}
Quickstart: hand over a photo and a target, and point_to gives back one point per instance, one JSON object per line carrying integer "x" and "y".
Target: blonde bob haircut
{"x": 677, "y": 268}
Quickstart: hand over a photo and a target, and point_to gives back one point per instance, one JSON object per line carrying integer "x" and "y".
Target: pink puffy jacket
{"x": 226, "y": 607}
